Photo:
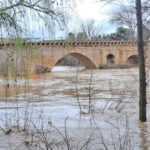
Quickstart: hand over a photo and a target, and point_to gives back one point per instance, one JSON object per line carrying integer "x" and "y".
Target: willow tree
{"x": 16, "y": 15}
{"x": 16, "y": 19}
{"x": 140, "y": 45}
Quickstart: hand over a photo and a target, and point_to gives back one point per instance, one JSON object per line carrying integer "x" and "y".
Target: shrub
{"x": 40, "y": 69}
{"x": 103, "y": 66}
{"x": 124, "y": 66}
{"x": 113, "y": 66}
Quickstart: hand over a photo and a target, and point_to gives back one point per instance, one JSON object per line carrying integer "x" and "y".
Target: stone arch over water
{"x": 132, "y": 60}
{"x": 84, "y": 60}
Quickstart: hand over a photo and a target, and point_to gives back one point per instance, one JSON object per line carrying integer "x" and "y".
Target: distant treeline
{"x": 120, "y": 34}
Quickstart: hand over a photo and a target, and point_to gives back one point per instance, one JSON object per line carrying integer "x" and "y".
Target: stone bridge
{"x": 90, "y": 53}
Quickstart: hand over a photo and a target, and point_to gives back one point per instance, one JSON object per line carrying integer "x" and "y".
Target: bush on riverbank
{"x": 40, "y": 69}
{"x": 107, "y": 66}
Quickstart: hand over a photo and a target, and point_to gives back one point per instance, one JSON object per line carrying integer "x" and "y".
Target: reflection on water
{"x": 67, "y": 68}
{"x": 143, "y": 135}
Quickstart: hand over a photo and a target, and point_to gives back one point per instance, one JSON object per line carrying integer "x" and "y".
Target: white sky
{"x": 93, "y": 10}
{"x": 87, "y": 10}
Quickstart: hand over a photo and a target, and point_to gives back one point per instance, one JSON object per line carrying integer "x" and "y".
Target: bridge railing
{"x": 73, "y": 43}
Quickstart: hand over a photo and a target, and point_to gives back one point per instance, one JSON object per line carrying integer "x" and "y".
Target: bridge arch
{"x": 110, "y": 59}
{"x": 84, "y": 60}
{"x": 132, "y": 60}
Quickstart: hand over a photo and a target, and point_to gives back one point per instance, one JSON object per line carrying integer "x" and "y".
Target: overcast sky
{"x": 92, "y": 10}
{"x": 85, "y": 10}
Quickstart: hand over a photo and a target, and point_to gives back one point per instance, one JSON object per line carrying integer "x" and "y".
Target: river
{"x": 96, "y": 107}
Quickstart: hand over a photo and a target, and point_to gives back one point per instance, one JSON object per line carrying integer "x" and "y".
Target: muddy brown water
{"x": 112, "y": 95}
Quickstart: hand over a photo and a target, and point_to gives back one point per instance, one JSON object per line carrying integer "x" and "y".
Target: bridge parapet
{"x": 75, "y": 43}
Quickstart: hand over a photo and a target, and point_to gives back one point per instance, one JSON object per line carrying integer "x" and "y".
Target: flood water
{"x": 101, "y": 104}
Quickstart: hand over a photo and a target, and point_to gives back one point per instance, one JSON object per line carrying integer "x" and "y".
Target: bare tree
{"x": 142, "y": 74}
{"x": 125, "y": 16}
{"x": 90, "y": 29}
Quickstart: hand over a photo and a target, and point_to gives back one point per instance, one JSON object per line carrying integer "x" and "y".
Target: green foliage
{"x": 52, "y": 42}
{"x": 103, "y": 66}
{"x": 19, "y": 44}
{"x": 71, "y": 36}
{"x": 67, "y": 44}
{"x": 18, "y": 59}
{"x": 121, "y": 34}
{"x": 96, "y": 38}
{"x": 11, "y": 67}
{"x": 81, "y": 36}
{"x": 124, "y": 66}
{"x": 120, "y": 66}
{"x": 6, "y": 86}
{"x": 17, "y": 65}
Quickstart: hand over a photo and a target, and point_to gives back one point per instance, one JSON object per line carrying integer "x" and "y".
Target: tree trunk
{"x": 142, "y": 76}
